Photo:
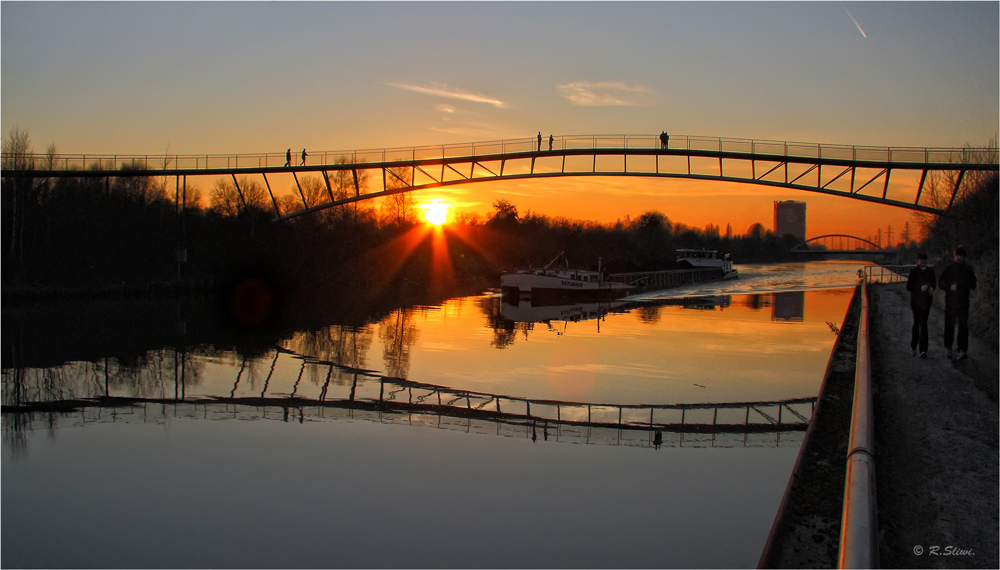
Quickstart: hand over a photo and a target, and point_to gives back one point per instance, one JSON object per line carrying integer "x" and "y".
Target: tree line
{"x": 973, "y": 222}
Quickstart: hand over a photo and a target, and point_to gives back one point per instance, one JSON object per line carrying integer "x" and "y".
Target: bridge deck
{"x": 849, "y": 169}
{"x": 684, "y": 145}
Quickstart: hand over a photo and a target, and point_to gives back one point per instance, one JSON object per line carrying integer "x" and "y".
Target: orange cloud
{"x": 602, "y": 93}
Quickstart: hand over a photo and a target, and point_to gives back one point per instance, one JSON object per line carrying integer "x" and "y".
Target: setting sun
{"x": 437, "y": 212}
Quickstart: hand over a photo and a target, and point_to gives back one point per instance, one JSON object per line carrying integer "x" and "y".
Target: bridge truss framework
{"x": 857, "y": 172}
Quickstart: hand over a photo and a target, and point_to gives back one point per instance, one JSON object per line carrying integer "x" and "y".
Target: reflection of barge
{"x": 552, "y": 284}
{"x": 524, "y": 311}
{"x": 527, "y": 311}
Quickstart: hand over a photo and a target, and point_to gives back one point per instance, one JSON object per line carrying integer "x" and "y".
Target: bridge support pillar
{"x": 277, "y": 212}
{"x": 299, "y": 186}
{"x": 326, "y": 179}
{"x": 238, "y": 190}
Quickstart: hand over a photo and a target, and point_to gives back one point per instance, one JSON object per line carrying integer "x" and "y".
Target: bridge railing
{"x": 886, "y": 273}
{"x": 159, "y": 410}
{"x": 112, "y": 162}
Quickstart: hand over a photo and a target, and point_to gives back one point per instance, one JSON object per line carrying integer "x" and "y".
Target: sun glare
{"x": 436, "y": 212}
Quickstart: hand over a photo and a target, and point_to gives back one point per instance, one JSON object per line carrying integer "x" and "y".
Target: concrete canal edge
{"x": 806, "y": 529}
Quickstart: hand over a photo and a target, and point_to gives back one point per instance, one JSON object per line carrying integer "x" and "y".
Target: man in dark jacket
{"x": 957, "y": 281}
{"x": 920, "y": 284}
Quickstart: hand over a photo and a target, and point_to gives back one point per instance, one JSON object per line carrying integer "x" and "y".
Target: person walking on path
{"x": 957, "y": 281}
{"x": 935, "y": 434}
{"x": 920, "y": 284}
{"x": 539, "y": 141}
{"x": 304, "y": 155}
{"x": 288, "y": 157}
{"x": 551, "y": 140}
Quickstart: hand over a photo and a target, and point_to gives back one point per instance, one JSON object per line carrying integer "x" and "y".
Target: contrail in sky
{"x": 855, "y": 22}
{"x": 442, "y": 90}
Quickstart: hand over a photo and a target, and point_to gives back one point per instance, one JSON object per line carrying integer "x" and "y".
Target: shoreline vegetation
{"x": 138, "y": 236}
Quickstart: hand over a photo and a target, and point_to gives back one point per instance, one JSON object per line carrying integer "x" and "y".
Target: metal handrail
{"x": 886, "y": 273}
{"x": 917, "y": 155}
{"x": 859, "y": 523}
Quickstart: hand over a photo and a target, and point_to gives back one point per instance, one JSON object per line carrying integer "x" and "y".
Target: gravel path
{"x": 936, "y": 444}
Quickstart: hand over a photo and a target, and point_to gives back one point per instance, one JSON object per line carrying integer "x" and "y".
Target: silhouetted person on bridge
{"x": 304, "y": 155}
{"x": 957, "y": 281}
{"x": 288, "y": 157}
{"x": 539, "y": 140}
{"x": 920, "y": 284}
{"x": 551, "y": 140}
{"x": 664, "y": 140}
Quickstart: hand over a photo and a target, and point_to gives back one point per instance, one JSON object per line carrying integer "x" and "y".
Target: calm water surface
{"x": 656, "y": 431}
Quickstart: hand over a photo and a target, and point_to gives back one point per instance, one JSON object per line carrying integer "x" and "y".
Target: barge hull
{"x": 644, "y": 282}
{"x": 641, "y": 282}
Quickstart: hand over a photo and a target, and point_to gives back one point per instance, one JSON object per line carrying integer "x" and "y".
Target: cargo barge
{"x": 552, "y": 283}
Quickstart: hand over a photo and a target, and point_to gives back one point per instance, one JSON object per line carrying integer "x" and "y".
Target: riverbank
{"x": 56, "y": 292}
{"x": 936, "y": 444}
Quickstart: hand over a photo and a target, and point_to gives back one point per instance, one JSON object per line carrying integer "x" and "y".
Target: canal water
{"x": 654, "y": 431}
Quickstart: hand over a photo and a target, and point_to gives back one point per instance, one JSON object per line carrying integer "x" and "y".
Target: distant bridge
{"x": 858, "y": 172}
{"x": 840, "y": 244}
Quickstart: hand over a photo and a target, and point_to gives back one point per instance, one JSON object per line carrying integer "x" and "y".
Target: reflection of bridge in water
{"x": 375, "y": 397}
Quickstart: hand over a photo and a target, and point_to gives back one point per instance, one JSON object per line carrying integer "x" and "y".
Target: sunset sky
{"x": 195, "y": 78}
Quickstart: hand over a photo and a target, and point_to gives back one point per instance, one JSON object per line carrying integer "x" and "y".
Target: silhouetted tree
{"x": 399, "y": 207}
{"x": 230, "y": 201}
{"x": 314, "y": 190}
{"x": 17, "y": 187}
{"x": 756, "y": 231}
{"x": 504, "y": 211}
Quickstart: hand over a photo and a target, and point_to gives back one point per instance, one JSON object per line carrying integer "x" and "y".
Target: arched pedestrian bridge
{"x": 857, "y": 172}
